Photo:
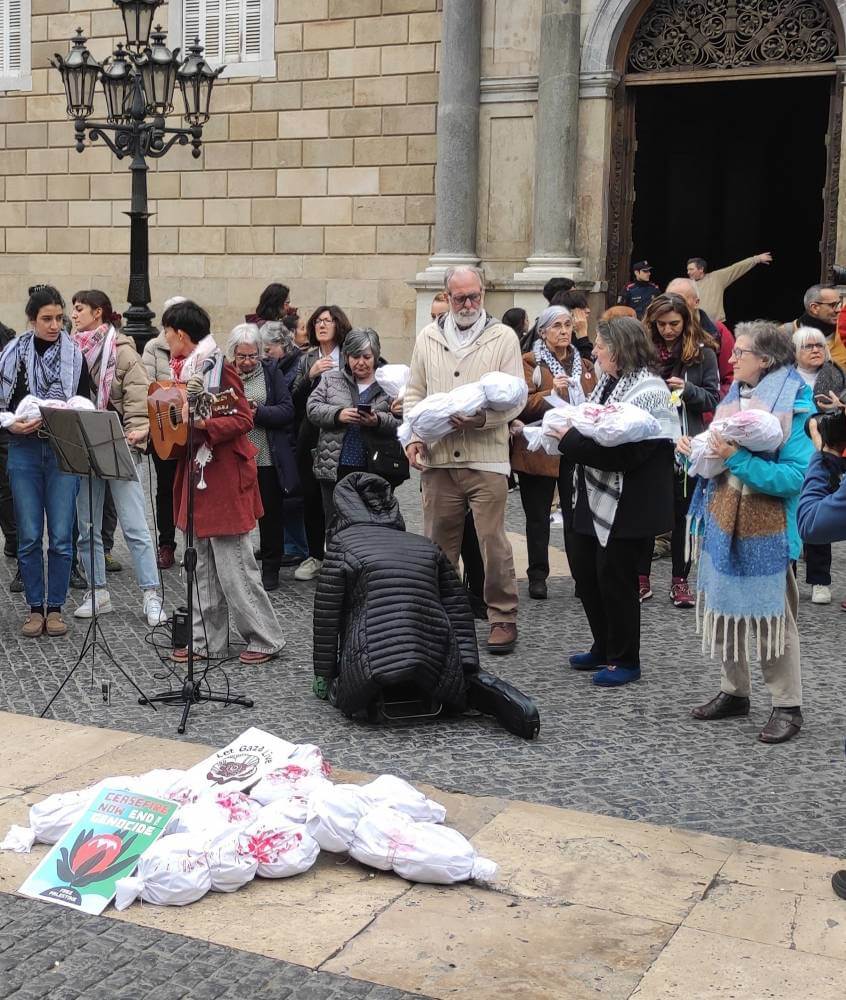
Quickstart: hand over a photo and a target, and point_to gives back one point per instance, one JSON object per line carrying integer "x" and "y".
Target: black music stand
{"x": 192, "y": 691}
{"x": 89, "y": 443}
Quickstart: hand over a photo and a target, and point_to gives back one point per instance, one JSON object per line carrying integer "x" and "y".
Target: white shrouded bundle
{"x": 420, "y": 852}
{"x": 333, "y": 814}
{"x": 229, "y": 868}
{"x": 429, "y": 419}
{"x": 504, "y": 392}
{"x": 538, "y": 437}
{"x": 280, "y": 847}
{"x": 393, "y": 379}
{"x": 213, "y": 813}
{"x": 608, "y": 425}
{"x": 389, "y": 790}
{"x": 29, "y": 408}
{"x": 755, "y": 430}
{"x": 172, "y": 872}
{"x": 303, "y": 773}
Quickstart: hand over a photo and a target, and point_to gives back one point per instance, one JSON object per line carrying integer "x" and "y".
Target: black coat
{"x": 645, "y": 508}
{"x": 276, "y": 416}
{"x": 389, "y": 607}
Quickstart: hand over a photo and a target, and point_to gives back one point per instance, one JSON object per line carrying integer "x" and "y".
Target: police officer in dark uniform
{"x": 640, "y": 292}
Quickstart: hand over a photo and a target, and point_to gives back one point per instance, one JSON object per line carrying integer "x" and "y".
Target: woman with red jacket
{"x": 227, "y": 502}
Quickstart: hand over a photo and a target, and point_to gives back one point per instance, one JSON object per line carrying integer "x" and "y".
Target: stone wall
{"x": 322, "y": 178}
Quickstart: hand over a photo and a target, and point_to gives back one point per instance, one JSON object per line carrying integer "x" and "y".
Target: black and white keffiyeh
{"x": 604, "y": 489}
{"x": 543, "y": 355}
{"x": 53, "y": 374}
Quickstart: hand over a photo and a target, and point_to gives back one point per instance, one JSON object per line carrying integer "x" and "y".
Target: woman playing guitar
{"x": 227, "y": 502}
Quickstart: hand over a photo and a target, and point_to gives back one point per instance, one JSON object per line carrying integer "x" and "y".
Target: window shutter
{"x": 191, "y": 27}
{"x": 10, "y": 37}
{"x": 230, "y": 30}
{"x": 252, "y": 30}
{"x": 212, "y": 34}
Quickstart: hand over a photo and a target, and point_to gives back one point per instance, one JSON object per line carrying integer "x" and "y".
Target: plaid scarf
{"x": 51, "y": 375}
{"x": 99, "y": 348}
{"x": 604, "y": 489}
{"x": 740, "y": 538}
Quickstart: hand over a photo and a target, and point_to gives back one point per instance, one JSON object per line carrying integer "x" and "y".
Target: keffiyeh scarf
{"x": 99, "y": 348}
{"x": 740, "y": 538}
{"x": 543, "y": 355}
{"x": 604, "y": 489}
{"x": 51, "y": 375}
{"x": 184, "y": 368}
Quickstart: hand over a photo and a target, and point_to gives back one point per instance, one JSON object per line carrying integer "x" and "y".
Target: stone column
{"x": 457, "y": 171}
{"x": 556, "y": 147}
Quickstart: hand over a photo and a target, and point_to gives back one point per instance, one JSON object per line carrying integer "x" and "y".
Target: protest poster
{"x": 104, "y": 845}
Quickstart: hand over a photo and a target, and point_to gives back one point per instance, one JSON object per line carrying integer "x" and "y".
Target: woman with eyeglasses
{"x": 327, "y": 327}
{"x": 687, "y": 361}
{"x": 273, "y": 421}
{"x": 826, "y": 381}
{"x": 744, "y": 528}
{"x": 43, "y": 362}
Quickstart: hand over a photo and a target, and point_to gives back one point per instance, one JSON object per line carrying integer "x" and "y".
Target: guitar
{"x": 168, "y": 431}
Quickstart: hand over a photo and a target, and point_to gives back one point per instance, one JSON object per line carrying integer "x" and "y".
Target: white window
{"x": 238, "y": 33}
{"x": 15, "y": 71}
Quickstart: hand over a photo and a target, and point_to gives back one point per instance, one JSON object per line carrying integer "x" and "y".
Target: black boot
{"x": 16, "y": 586}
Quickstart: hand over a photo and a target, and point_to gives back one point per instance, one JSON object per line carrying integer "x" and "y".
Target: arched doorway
{"x": 727, "y": 143}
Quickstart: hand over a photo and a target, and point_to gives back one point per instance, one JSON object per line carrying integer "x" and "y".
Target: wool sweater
{"x": 434, "y": 368}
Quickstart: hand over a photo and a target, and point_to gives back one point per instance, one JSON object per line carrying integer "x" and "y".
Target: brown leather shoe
{"x": 503, "y": 637}
{"x": 724, "y": 706}
{"x": 55, "y": 625}
{"x": 33, "y": 626}
{"x": 165, "y": 557}
{"x": 783, "y": 726}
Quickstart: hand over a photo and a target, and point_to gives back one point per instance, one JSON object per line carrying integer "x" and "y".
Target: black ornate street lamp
{"x": 138, "y": 83}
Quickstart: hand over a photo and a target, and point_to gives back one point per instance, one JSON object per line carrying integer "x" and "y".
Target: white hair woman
{"x": 827, "y": 382}
{"x": 273, "y": 425}
{"x": 553, "y": 365}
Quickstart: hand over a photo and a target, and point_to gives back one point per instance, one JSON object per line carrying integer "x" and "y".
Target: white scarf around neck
{"x": 460, "y": 341}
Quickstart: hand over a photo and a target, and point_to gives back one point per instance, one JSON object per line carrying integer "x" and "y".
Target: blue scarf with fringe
{"x": 740, "y": 538}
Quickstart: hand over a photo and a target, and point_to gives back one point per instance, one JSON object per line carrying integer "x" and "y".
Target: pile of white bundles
{"x": 608, "y": 425}
{"x": 393, "y": 379}
{"x": 29, "y": 408}
{"x": 221, "y": 838}
{"x": 755, "y": 430}
{"x": 429, "y": 420}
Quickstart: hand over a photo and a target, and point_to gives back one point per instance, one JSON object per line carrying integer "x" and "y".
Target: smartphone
{"x": 364, "y": 408}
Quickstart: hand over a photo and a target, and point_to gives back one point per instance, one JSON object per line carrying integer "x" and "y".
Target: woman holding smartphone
{"x": 349, "y": 408}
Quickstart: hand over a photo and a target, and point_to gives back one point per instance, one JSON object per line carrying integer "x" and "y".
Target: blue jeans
{"x": 128, "y": 497}
{"x": 294, "y": 528}
{"x": 40, "y": 488}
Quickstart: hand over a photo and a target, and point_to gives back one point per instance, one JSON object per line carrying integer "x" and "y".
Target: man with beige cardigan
{"x": 469, "y": 467}
{"x": 712, "y": 285}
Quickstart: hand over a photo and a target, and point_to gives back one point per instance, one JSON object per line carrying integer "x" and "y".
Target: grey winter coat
{"x": 156, "y": 358}
{"x": 335, "y": 391}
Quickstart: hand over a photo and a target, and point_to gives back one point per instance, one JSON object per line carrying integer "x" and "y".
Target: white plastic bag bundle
{"x": 213, "y": 813}
{"x": 419, "y": 852}
{"x": 429, "y": 419}
{"x": 229, "y": 868}
{"x": 393, "y": 379}
{"x": 29, "y": 408}
{"x": 755, "y": 430}
{"x": 172, "y": 872}
{"x": 614, "y": 423}
{"x": 280, "y": 847}
{"x": 333, "y": 814}
{"x": 298, "y": 777}
{"x": 503, "y": 391}
{"x": 389, "y": 790}
{"x": 51, "y": 819}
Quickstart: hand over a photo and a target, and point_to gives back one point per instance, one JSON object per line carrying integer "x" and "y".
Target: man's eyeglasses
{"x": 474, "y": 298}
{"x": 836, "y": 304}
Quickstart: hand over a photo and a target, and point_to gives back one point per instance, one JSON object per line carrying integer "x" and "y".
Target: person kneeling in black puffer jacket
{"x": 390, "y": 611}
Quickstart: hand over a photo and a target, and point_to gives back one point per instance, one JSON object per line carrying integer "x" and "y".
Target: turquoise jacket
{"x": 781, "y": 475}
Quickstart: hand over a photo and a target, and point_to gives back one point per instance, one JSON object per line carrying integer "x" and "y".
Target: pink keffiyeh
{"x": 99, "y": 348}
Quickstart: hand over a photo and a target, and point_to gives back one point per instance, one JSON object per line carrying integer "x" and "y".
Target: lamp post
{"x": 138, "y": 82}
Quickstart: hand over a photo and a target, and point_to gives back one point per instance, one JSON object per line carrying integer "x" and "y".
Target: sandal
{"x": 181, "y": 655}
{"x": 252, "y": 657}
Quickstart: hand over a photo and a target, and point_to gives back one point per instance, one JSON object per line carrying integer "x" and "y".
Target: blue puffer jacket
{"x": 783, "y": 474}
{"x": 822, "y": 504}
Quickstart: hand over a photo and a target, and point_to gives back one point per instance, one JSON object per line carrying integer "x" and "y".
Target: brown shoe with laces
{"x": 33, "y": 626}
{"x": 503, "y": 638}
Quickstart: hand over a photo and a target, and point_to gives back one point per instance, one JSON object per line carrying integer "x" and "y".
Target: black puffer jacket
{"x": 389, "y": 607}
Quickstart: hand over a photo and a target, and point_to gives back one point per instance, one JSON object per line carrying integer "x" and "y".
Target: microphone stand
{"x": 192, "y": 688}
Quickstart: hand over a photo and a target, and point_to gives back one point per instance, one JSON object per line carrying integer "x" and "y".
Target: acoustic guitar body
{"x": 168, "y": 433}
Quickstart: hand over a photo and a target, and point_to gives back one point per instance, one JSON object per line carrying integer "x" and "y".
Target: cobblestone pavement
{"x": 49, "y": 952}
{"x": 634, "y": 753}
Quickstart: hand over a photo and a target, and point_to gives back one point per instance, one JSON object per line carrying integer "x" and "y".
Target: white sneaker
{"x": 820, "y": 594}
{"x": 308, "y": 570}
{"x": 86, "y": 609}
{"x": 153, "y": 611}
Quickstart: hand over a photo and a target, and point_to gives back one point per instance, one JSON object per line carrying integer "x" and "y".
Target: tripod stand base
{"x": 192, "y": 693}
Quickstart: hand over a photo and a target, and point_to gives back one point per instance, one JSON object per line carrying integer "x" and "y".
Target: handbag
{"x": 386, "y": 458}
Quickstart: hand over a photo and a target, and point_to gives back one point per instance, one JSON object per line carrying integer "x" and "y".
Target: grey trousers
{"x": 230, "y": 589}
{"x": 782, "y": 674}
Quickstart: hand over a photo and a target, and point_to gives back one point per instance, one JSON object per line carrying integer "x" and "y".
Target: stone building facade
{"x": 319, "y": 162}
